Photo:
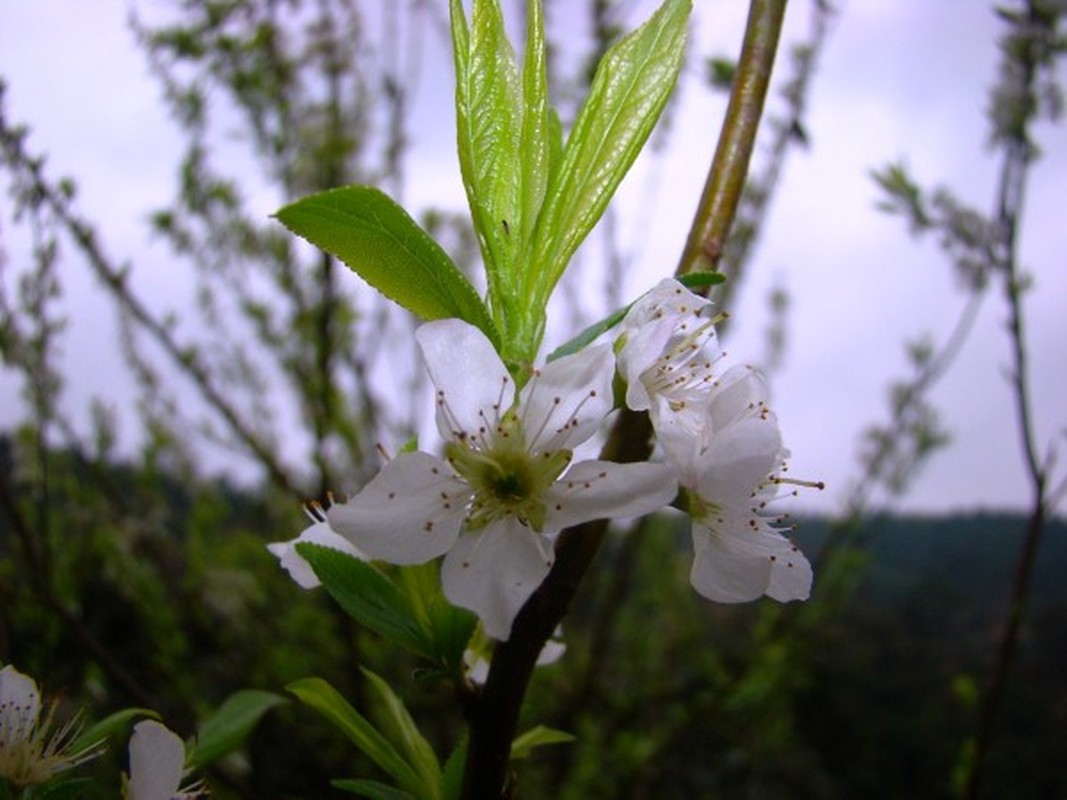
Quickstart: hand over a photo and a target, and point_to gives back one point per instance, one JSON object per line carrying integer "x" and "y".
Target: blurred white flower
{"x": 30, "y": 751}
{"x": 157, "y": 765}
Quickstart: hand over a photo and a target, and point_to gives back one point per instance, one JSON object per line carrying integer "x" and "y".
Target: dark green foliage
{"x": 864, "y": 692}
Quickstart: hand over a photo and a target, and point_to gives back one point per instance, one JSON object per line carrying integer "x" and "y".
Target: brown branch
{"x": 729, "y": 169}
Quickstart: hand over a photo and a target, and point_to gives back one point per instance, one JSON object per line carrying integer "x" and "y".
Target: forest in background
{"x": 868, "y": 690}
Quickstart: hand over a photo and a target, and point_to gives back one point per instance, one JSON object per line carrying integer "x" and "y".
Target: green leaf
{"x": 488, "y": 123}
{"x": 374, "y": 236}
{"x": 535, "y": 150}
{"x": 630, "y": 88}
{"x": 701, "y": 280}
{"x": 446, "y": 628}
{"x": 537, "y": 737}
{"x": 109, "y": 726}
{"x": 318, "y": 694}
{"x": 226, "y": 729}
{"x": 368, "y": 595}
{"x": 452, "y": 775}
{"x": 372, "y": 789}
{"x": 590, "y": 334}
{"x": 400, "y": 728}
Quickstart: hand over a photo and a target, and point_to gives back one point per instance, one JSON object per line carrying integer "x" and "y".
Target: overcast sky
{"x": 899, "y": 79}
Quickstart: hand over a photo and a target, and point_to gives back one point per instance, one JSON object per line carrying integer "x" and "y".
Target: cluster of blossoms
{"x": 506, "y": 485}
{"x": 33, "y": 751}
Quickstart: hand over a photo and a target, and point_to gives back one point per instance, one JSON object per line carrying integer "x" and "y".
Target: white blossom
{"x": 506, "y": 485}
{"x": 157, "y": 765}
{"x": 669, "y": 356}
{"x": 31, "y": 752}
{"x": 740, "y": 554}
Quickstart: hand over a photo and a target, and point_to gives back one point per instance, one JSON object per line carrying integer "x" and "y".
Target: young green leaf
{"x": 368, "y": 595}
{"x": 227, "y": 729}
{"x": 535, "y": 150}
{"x": 488, "y": 123}
{"x": 537, "y": 737}
{"x": 400, "y": 728}
{"x": 629, "y": 90}
{"x": 452, "y": 774}
{"x": 446, "y": 628}
{"x": 321, "y": 696}
{"x": 374, "y": 236}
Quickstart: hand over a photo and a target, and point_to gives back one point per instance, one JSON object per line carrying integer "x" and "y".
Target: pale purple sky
{"x": 898, "y": 80}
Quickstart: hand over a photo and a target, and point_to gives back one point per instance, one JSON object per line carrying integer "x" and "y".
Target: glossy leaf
{"x": 374, "y": 236}
{"x": 488, "y": 123}
{"x": 630, "y": 88}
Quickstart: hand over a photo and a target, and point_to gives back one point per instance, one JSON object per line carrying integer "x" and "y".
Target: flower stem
{"x": 493, "y": 713}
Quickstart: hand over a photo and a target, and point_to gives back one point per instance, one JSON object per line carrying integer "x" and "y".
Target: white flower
{"x": 668, "y": 357}
{"x": 739, "y": 553}
{"x": 30, "y": 752}
{"x": 504, "y": 488}
{"x": 157, "y": 764}
{"x": 319, "y": 532}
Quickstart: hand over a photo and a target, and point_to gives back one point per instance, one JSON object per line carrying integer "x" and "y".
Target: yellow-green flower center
{"x": 507, "y": 479}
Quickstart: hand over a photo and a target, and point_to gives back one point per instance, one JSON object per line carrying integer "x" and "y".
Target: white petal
{"x": 299, "y": 569}
{"x": 473, "y": 386}
{"x": 604, "y": 489}
{"x": 738, "y": 459}
{"x": 791, "y": 574}
{"x": 667, "y": 312}
{"x": 157, "y": 759}
{"x": 738, "y": 559}
{"x": 738, "y": 393}
{"x": 493, "y": 572}
{"x": 682, "y": 434}
{"x": 20, "y": 702}
{"x": 409, "y": 513}
{"x": 566, "y": 400}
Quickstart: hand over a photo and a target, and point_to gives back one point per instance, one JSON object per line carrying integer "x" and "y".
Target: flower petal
{"x": 409, "y": 513}
{"x": 20, "y": 702}
{"x": 603, "y": 489}
{"x": 157, "y": 759}
{"x": 567, "y": 399}
{"x": 494, "y": 571}
{"x": 668, "y": 312}
{"x": 736, "y": 562}
{"x": 739, "y": 458}
{"x": 473, "y": 386}
{"x": 299, "y": 569}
